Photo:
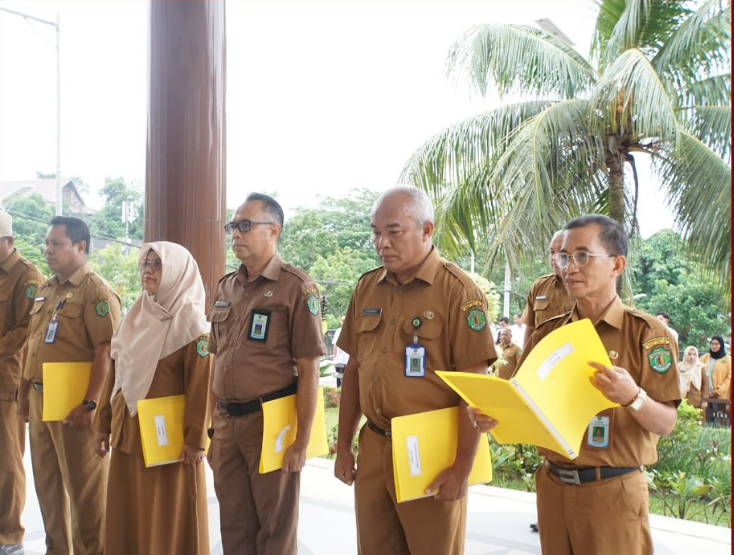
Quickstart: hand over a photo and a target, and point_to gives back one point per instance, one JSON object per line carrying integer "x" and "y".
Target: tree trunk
{"x": 615, "y": 164}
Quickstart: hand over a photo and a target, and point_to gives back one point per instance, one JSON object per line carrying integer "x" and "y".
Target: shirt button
{"x": 377, "y": 380}
{"x": 393, "y": 320}
{"x": 384, "y": 349}
{"x": 378, "y": 411}
{"x": 247, "y": 295}
{"x": 399, "y": 291}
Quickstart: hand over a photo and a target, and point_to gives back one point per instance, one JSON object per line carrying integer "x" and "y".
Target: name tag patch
{"x": 372, "y": 311}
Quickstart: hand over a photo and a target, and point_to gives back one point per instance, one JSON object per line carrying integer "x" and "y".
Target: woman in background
{"x": 716, "y": 378}
{"x": 690, "y": 376}
{"x": 159, "y": 350}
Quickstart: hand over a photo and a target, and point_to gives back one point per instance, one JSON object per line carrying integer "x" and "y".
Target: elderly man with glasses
{"x": 266, "y": 334}
{"x": 597, "y": 504}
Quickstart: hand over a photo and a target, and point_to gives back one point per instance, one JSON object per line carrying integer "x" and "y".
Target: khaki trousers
{"x": 12, "y": 473}
{"x": 605, "y": 517}
{"x": 258, "y": 513}
{"x": 418, "y": 527}
{"x": 71, "y": 484}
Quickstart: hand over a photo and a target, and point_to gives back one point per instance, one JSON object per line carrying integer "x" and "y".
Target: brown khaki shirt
{"x": 260, "y": 328}
{"x": 512, "y": 355}
{"x": 378, "y": 328}
{"x": 638, "y": 343}
{"x": 184, "y": 372}
{"x": 19, "y": 282}
{"x": 547, "y": 298}
{"x": 88, "y": 317}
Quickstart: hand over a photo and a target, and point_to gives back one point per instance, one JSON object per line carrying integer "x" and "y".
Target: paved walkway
{"x": 497, "y": 523}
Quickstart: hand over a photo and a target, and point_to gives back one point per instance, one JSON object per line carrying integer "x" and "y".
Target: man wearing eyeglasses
{"x": 266, "y": 334}
{"x": 597, "y": 504}
{"x": 547, "y": 296}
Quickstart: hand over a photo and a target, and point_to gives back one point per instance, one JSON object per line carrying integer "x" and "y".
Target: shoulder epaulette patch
{"x": 202, "y": 346}
{"x": 102, "y": 307}
{"x": 30, "y": 289}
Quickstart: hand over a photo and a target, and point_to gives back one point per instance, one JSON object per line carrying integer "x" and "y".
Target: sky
{"x": 322, "y": 96}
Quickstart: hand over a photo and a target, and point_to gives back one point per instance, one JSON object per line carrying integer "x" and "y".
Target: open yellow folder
{"x": 424, "y": 444}
{"x": 64, "y": 387}
{"x": 550, "y": 401}
{"x": 162, "y": 429}
{"x": 280, "y": 424}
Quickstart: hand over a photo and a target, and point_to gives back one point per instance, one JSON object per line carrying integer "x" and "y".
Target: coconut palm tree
{"x": 657, "y": 82}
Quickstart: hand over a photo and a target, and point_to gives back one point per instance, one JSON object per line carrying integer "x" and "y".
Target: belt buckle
{"x": 570, "y": 477}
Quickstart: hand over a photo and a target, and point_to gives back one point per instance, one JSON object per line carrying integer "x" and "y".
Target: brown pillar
{"x": 185, "y": 186}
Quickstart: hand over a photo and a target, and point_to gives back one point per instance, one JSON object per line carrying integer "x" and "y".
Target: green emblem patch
{"x": 30, "y": 290}
{"x": 476, "y": 319}
{"x": 313, "y": 305}
{"x": 661, "y": 359}
{"x": 202, "y": 347}
{"x": 101, "y": 307}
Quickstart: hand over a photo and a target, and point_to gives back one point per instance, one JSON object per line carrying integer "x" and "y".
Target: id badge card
{"x": 415, "y": 361}
{"x": 51, "y": 331}
{"x": 259, "y": 324}
{"x": 598, "y": 432}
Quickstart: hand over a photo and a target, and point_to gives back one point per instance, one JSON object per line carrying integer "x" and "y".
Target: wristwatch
{"x": 89, "y": 405}
{"x": 637, "y": 403}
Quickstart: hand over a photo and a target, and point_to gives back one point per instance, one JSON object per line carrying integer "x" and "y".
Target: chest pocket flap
{"x": 430, "y": 329}
{"x": 368, "y": 323}
{"x": 37, "y": 306}
{"x": 540, "y": 304}
{"x": 219, "y": 314}
{"x": 70, "y": 310}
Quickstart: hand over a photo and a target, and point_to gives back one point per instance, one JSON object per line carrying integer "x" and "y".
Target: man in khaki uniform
{"x": 416, "y": 297}
{"x": 547, "y": 296}
{"x": 266, "y": 333}
{"x": 510, "y": 353}
{"x": 73, "y": 318}
{"x": 19, "y": 281}
{"x": 597, "y": 504}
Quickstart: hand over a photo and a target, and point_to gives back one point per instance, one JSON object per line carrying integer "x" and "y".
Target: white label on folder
{"x": 557, "y": 356}
{"x": 279, "y": 439}
{"x": 414, "y": 456}
{"x": 160, "y": 430}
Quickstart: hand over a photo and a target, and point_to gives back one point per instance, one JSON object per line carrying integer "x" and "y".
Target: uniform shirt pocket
{"x": 428, "y": 336}
{"x": 218, "y": 317}
{"x": 71, "y": 323}
{"x": 366, "y": 329}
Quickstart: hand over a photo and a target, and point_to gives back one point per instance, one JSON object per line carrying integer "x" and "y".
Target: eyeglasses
{"x": 581, "y": 258}
{"x": 155, "y": 264}
{"x": 244, "y": 226}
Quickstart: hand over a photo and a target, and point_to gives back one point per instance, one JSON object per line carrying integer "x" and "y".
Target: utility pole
{"x": 57, "y": 26}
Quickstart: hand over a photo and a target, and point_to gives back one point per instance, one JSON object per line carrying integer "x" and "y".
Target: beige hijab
{"x": 158, "y": 325}
{"x": 689, "y": 374}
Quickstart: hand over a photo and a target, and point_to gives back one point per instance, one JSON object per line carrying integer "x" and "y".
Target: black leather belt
{"x": 576, "y": 477}
{"x": 37, "y": 386}
{"x": 377, "y": 429}
{"x": 248, "y": 407}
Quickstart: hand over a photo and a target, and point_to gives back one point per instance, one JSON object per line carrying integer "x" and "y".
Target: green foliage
{"x": 670, "y": 282}
{"x": 31, "y": 215}
{"x": 108, "y": 221}
{"x": 120, "y": 271}
{"x": 489, "y": 290}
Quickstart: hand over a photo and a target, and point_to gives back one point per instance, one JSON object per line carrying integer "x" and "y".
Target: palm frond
{"x": 558, "y": 154}
{"x": 712, "y": 91}
{"x": 698, "y": 183}
{"x": 634, "y": 101}
{"x": 711, "y": 125}
{"x": 700, "y": 46}
{"x": 453, "y": 156}
{"x": 520, "y": 59}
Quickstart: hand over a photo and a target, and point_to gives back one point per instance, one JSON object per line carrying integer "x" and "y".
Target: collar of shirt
{"x": 426, "y": 272}
{"x": 77, "y": 277}
{"x": 10, "y": 262}
{"x": 613, "y": 315}
{"x": 271, "y": 270}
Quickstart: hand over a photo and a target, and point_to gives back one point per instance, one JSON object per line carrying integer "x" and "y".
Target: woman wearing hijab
{"x": 690, "y": 374}
{"x": 716, "y": 377}
{"x": 160, "y": 349}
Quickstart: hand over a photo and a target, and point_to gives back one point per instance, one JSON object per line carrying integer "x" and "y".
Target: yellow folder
{"x": 424, "y": 444}
{"x": 64, "y": 387}
{"x": 162, "y": 429}
{"x": 280, "y": 424}
{"x": 550, "y": 401}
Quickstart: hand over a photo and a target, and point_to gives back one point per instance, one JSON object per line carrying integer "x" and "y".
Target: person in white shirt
{"x": 340, "y": 357}
{"x": 518, "y": 331}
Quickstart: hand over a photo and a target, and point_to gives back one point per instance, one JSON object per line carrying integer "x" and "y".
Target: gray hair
{"x": 419, "y": 206}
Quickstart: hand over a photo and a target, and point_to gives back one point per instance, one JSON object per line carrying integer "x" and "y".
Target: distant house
{"x": 11, "y": 190}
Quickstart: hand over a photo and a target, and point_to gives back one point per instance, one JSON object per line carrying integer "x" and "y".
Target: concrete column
{"x": 185, "y": 185}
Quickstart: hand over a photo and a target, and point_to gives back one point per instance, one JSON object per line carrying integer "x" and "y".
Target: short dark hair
{"x": 270, "y": 206}
{"x": 504, "y": 319}
{"x": 76, "y": 230}
{"x": 664, "y": 315}
{"x": 612, "y": 236}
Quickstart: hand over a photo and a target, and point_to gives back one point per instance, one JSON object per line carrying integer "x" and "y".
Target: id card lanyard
{"x": 415, "y": 354}
{"x": 53, "y": 324}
